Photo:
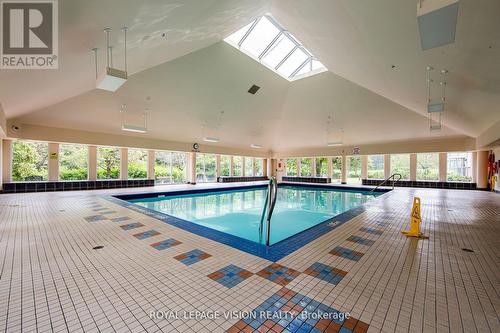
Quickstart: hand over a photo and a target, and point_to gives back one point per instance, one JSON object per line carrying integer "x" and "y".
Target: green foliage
{"x": 306, "y": 167}
{"x": 291, "y": 167}
{"x": 428, "y": 166}
{"x": 455, "y": 177}
{"x": 137, "y": 171}
{"x": 73, "y": 174}
{"x": 108, "y": 163}
{"x": 322, "y": 166}
{"x": 29, "y": 160}
{"x": 73, "y": 162}
{"x": 401, "y": 164}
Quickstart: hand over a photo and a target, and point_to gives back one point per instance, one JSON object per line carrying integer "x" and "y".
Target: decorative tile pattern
{"x": 278, "y": 274}
{"x": 120, "y": 219}
{"x": 230, "y": 276}
{"x": 288, "y": 311}
{"x": 371, "y": 231}
{"x": 326, "y": 273}
{"x": 146, "y": 234}
{"x": 165, "y": 244}
{"x": 361, "y": 240}
{"x": 95, "y": 218}
{"x": 131, "y": 226}
{"x": 346, "y": 253}
{"x": 192, "y": 257}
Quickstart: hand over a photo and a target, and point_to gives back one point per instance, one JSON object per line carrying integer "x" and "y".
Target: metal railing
{"x": 394, "y": 180}
{"x": 267, "y": 212}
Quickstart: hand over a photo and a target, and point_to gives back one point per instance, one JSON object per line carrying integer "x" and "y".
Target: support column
{"x": 387, "y": 166}
{"x": 217, "y": 167}
{"x": 313, "y": 167}
{"x": 151, "y": 164}
{"x": 192, "y": 168}
{"x": 343, "y": 170}
{"x": 92, "y": 163}
{"x": 1, "y": 164}
{"x": 243, "y": 167}
{"x": 299, "y": 167}
{"x": 443, "y": 166}
{"x": 413, "y": 167}
{"x": 53, "y": 163}
{"x": 6, "y": 161}
{"x": 330, "y": 167}
{"x": 482, "y": 169}
{"x": 266, "y": 167}
{"x": 231, "y": 166}
{"x": 474, "y": 166}
{"x": 124, "y": 163}
{"x": 364, "y": 167}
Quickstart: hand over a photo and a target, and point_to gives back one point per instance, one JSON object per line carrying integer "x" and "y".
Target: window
{"x": 268, "y": 42}
{"x": 205, "y": 168}
{"x": 354, "y": 169}
{"x": 73, "y": 162}
{"x": 428, "y": 166}
{"x": 249, "y": 166}
{"x": 108, "y": 163}
{"x": 237, "y": 166}
{"x": 259, "y": 167}
{"x": 375, "y": 167}
{"x": 336, "y": 169}
{"x": 30, "y": 161}
{"x": 459, "y": 167}
{"x": 225, "y": 164}
{"x": 170, "y": 167}
{"x": 306, "y": 167}
{"x": 321, "y": 167}
{"x": 291, "y": 167}
{"x": 400, "y": 163}
{"x": 137, "y": 164}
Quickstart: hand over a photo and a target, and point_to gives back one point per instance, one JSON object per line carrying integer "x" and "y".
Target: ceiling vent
{"x": 253, "y": 89}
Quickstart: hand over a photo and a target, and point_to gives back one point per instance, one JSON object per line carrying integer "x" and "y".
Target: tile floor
{"x": 52, "y": 280}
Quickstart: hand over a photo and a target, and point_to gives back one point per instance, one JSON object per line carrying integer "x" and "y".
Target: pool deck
{"x": 51, "y": 278}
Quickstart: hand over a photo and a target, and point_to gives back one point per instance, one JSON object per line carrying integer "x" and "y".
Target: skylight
{"x": 268, "y": 42}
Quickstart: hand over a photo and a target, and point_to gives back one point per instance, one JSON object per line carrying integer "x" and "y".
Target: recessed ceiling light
{"x": 133, "y": 128}
{"x": 256, "y": 146}
{"x": 334, "y": 144}
{"x": 210, "y": 139}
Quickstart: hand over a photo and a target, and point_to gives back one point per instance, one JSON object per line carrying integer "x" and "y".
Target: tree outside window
{"x": 400, "y": 163}
{"x": 354, "y": 169}
{"x": 108, "y": 163}
{"x": 291, "y": 167}
{"x": 428, "y": 166}
{"x": 237, "y": 166}
{"x": 225, "y": 165}
{"x": 321, "y": 167}
{"x": 306, "y": 167}
{"x": 73, "y": 162}
{"x": 375, "y": 167}
{"x": 336, "y": 169}
{"x": 30, "y": 161}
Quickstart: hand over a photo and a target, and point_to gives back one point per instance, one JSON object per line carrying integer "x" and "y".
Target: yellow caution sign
{"x": 415, "y": 221}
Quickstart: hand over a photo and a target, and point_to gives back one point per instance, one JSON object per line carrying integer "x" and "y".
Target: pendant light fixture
{"x": 112, "y": 79}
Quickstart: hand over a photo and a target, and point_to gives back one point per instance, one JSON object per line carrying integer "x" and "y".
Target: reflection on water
{"x": 239, "y": 212}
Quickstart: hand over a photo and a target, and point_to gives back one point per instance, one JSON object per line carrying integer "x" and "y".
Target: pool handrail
{"x": 270, "y": 202}
{"x": 394, "y": 180}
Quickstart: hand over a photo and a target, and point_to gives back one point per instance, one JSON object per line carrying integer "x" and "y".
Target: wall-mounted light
{"x": 334, "y": 144}
{"x": 256, "y": 146}
{"x": 211, "y": 139}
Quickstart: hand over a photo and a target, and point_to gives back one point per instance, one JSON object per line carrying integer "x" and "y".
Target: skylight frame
{"x": 269, "y": 48}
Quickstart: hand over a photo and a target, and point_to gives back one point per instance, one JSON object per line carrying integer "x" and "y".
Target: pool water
{"x": 239, "y": 212}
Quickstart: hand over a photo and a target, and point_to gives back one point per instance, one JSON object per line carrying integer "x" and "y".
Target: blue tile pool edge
{"x": 272, "y": 253}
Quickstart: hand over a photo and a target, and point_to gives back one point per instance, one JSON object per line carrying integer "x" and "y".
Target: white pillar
{"x": 151, "y": 164}
{"x": 92, "y": 163}
{"x": 330, "y": 167}
{"x": 474, "y": 166}
{"x": 443, "y": 166}
{"x": 343, "y": 170}
{"x": 6, "y": 161}
{"x": 243, "y": 167}
{"x": 124, "y": 163}
{"x": 313, "y": 167}
{"x": 217, "y": 167}
{"x": 482, "y": 169}
{"x": 299, "y": 166}
{"x": 53, "y": 163}
{"x": 267, "y": 168}
{"x": 413, "y": 167}
{"x": 364, "y": 167}
{"x": 231, "y": 166}
{"x": 192, "y": 168}
{"x": 387, "y": 166}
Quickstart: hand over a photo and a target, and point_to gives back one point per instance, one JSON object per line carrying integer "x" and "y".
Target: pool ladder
{"x": 272, "y": 194}
{"x": 394, "y": 180}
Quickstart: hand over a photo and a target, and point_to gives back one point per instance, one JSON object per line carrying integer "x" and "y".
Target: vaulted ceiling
{"x": 198, "y": 84}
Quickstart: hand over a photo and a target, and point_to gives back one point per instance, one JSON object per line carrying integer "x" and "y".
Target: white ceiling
{"x": 191, "y": 83}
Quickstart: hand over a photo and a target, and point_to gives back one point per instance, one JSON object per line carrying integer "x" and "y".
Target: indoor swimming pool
{"x": 239, "y": 212}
